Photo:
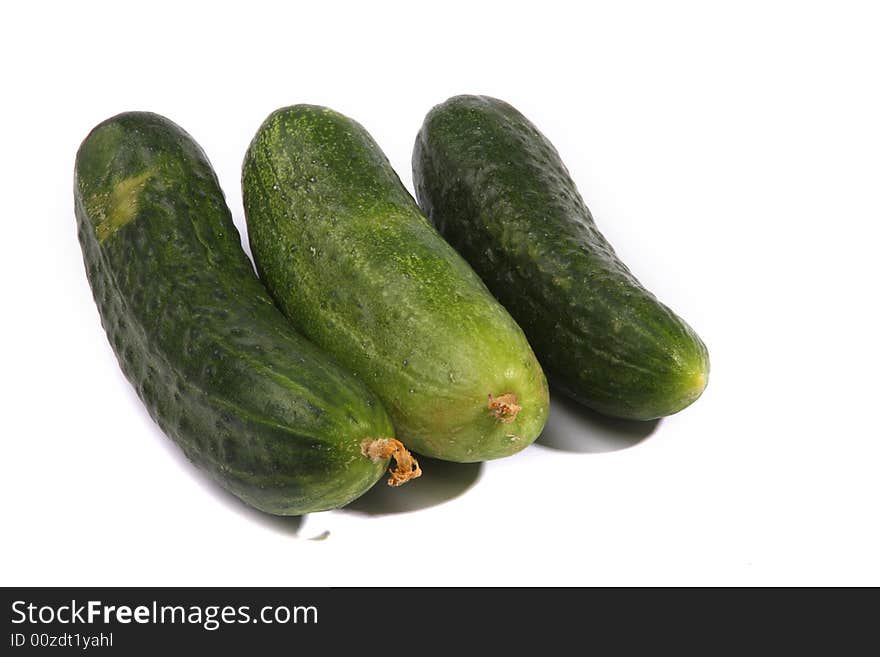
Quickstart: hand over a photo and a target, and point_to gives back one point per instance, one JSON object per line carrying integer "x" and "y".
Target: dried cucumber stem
{"x": 504, "y": 407}
{"x": 406, "y": 466}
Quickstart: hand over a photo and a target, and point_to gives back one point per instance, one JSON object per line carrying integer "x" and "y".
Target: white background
{"x": 730, "y": 152}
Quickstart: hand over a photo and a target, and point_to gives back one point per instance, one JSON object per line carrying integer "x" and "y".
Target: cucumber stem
{"x": 504, "y": 407}
{"x": 406, "y": 466}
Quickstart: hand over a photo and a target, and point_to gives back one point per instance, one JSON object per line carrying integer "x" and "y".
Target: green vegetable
{"x": 351, "y": 260}
{"x": 264, "y": 412}
{"x": 497, "y": 190}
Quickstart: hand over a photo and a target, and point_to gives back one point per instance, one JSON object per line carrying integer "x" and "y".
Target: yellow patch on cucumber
{"x": 111, "y": 211}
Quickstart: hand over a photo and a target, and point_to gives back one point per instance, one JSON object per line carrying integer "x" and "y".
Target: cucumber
{"x": 350, "y": 259}
{"x": 263, "y": 411}
{"x": 497, "y": 190}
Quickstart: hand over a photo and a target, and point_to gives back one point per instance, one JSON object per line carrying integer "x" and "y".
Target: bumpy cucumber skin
{"x": 268, "y": 415}
{"x": 348, "y": 256}
{"x": 498, "y": 191}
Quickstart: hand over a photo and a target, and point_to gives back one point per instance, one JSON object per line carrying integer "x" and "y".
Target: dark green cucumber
{"x": 497, "y": 190}
{"x": 351, "y": 260}
{"x": 267, "y": 414}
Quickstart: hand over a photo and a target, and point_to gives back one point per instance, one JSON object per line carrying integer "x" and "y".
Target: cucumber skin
{"x": 350, "y": 259}
{"x": 265, "y": 413}
{"x": 497, "y": 190}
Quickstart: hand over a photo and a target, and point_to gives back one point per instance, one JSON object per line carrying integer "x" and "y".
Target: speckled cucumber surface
{"x": 258, "y": 407}
{"x": 498, "y": 191}
{"x": 348, "y": 256}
